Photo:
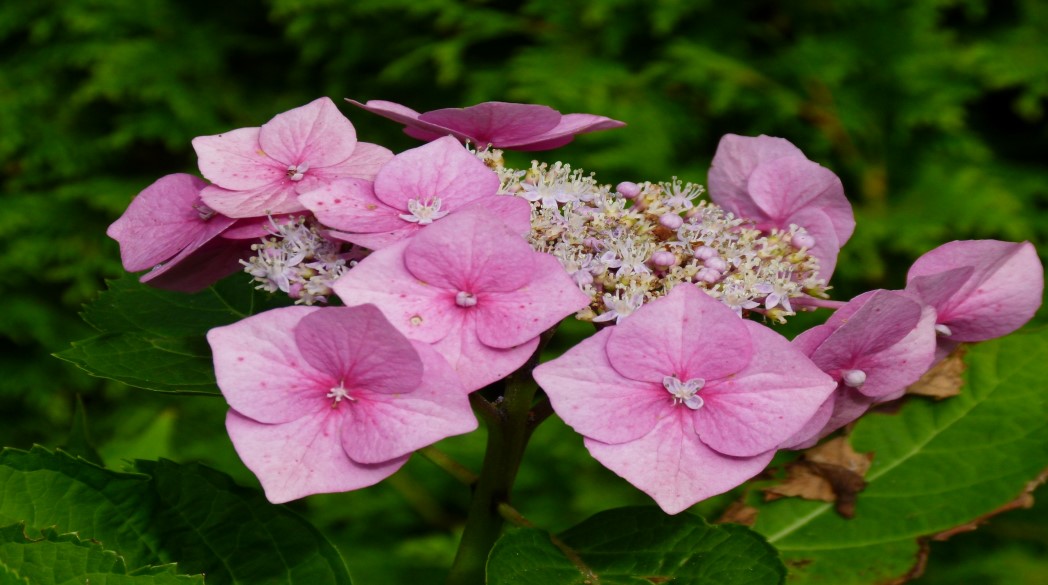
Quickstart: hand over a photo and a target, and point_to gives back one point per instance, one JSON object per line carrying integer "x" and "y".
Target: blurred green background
{"x": 932, "y": 112}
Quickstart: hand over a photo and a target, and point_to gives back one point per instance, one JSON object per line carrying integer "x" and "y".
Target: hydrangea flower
{"x": 167, "y": 228}
{"x": 470, "y": 286}
{"x": 331, "y": 399}
{"x": 981, "y": 289}
{"x": 682, "y": 398}
{"x": 770, "y": 181}
{"x": 418, "y": 187}
{"x": 260, "y": 171}
{"x": 499, "y": 124}
{"x": 874, "y": 347}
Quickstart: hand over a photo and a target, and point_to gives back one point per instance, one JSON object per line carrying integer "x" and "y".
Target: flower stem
{"x": 455, "y": 469}
{"x": 818, "y": 303}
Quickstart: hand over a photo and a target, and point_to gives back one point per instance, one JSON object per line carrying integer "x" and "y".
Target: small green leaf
{"x": 636, "y": 546}
{"x": 79, "y": 442}
{"x": 936, "y": 466}
{"x": 154, "y": 339}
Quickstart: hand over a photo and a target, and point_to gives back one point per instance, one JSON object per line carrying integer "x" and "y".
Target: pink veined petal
{"x": 253, "y": 228}
{"x": 470, "y": 251}
{"x": 765, "y": 404}
{"x": 162, "y": 221}
{"x": 895, "y": 368}
{"x": 785, "y": 186}
{"x": 1002, "y": 294}
{"x": 426, "y": 135}
{"x": 936, "y": 289}
{"x": 674, "y": 467}
{"x": 511, "y": 210}
{"x": 819, "y": 226}
{"x": 198, "y": 267}
{"x": 565, "y": 131}
{"x": 595, "y": 400}
{"x": 734, "y": 161}
{"x": 380, "y": 427}
{"x": 810, "y": 433}
{"x": 808, "y": 341}
{"x": 402, "y": 114}
{"x": 350, "y": 205}
{"x": 234, "y": 160}
{"x": 302, "y": 457}
{"x": 418, "y": 310}
{"x": 883, "y": 319}
{"x": 376, "y": 241}
{"x": 316, "y": 134}
{"x": 477, "y": 364}
{"x": 261, "y": 371}
{"x": 507, "y": 319}
{"x": 272, "y": 199}
{"x": 686, "y": 334}
{"x": 360, "y": 348}
{"x": 365, "y": 163}
{"x": 441, "y": 169}
{"x": 495, "y": 122}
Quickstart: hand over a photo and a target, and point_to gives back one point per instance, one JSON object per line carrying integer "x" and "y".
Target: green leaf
{"x": 79, "y": 442}
{"x": 635, "y": 546}
{"x": 187, "y": 514}
{"x": 58, "y": 559}
{"x": 936, "y": 466}
{"x": 154, "y": 339}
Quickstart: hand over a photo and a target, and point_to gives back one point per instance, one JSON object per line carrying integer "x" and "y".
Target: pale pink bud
{"x": 705, "y": 252}
{"x": 628, "y": 189}
{"x": 671, "y": 221}
{"x": 663, "y": 258}
{"x": 803, "y": 241}
{"x": 708, "y": 275}
{"x": 716, "y": 263}
{"x": 854, "y": 378}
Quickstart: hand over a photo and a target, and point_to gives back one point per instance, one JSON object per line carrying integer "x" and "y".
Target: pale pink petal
{"x": 686, "y": 334}
{"x": 936, "y": 289}
{"x": 376, "y": 241}
{"x": 765, "y": 404}
{"x": 198, "y": 267}
{"x": 302, "y": 457}
{"x": 418, "y": 310}
{"x": 511, "y": 210}
{"x": 360, "y": 348}
{"x": 507, "y": 319}
{"x": 879, "y": 319}
{"x": 812, "y": 430}
{"x": 819, "y": 226}
{"x": 497, "y": 123}
{"x": 404, "y": 115}
{"x": 810, "y": 340}
{"x": 735, "y": 159}
{"x": 365, "y": 162}
{"x": 163, "y": 221}
{"x": 471, "y": 251}
{"x": 787, "y": 185}
{"x": 892, "y": 370}
{"x": 380, "y": 427}
{"x": 1002, "y": 294}
{"x": 674, "y": 467}
{"x": 441, "y": 169}
{"x": 564, "y": 132}
{"x": 234, "y": 160}
{"x": 350, "y": 205}
{"x": 262, "y": 372}
{"x": 316, "y": 134}
{"x": 272, "y": 199}
{"x": 595, "y": 400}
{"x": 253, "y": 228}
{"x": 477, "y": 364}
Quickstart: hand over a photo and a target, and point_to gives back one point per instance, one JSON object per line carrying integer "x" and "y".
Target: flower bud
{"x": 671, "y": 221}
{"x": 663, "y": 258}
{"x": 628, "y": 189}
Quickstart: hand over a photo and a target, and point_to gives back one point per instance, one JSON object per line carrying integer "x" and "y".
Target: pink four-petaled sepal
{"x": 470, "y": 286}
{"x": 261, "y": 171}
{"x": 683, "y": 399}
{"x": 331, "y": 399}
{"x": 769, "y": 181}
{"x": 981, "y": 289}
{"x": 505, "y": 125}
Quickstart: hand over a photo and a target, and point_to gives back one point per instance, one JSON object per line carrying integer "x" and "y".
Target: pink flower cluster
{"x": 445, "y": 295}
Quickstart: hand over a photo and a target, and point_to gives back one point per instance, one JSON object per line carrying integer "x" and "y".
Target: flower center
{"x": 205, "y": 212}
{"x": 854, "y": 378}
{"x": 297, "y": 172}
{"x": 423, "y": 213}
{"x": 685, "y": 392}
{"x": 338, "y": 393}
{"x": 465, "y": 299}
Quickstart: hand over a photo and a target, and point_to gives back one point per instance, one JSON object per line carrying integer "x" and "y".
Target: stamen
{"x": 297, "y": 172}
{"x": 685, "y": 392}
{"x": 423, "y": 213}
{"x": 942, "y": 330}
{"x": 854, "y": 378}
{"x": 338, "y": 393}
{"x": 465, "y": 299}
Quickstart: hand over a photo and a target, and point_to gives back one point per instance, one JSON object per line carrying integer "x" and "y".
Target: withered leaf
{"x": 944, "y": 379}
{"x": 830, "y": 472}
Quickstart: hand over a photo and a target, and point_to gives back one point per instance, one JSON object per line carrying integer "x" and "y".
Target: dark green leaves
{"x": 187, "y": 514}
{"x": 154, "y": 339}
{"x": 636, "y": 546}
{"x": 936, "y": 466}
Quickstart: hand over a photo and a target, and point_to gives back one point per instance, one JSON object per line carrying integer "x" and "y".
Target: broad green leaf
{"x": 635, "y": 546}
{"x": 936, "y": 466}
{"x": 154, "y": 339}
{"x": 233, "y": 535}
{"x": 187, "y": 514}
{"x": 64, "y": 559}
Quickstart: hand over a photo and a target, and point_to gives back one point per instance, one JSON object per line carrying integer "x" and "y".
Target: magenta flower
{"x": 682, "y": 398}
{"x": 418, "y": 187}
{"x": 333, "y": 399}
{"x": 981, "y": 289}
{"x": 260, "y": 171}
{"x": 471, "y": 287}
{"x": 770, "y": 181}
{"x": 499, "y": 124}
{"x": 168, "y": 229}
{"x": 874, "y": 347}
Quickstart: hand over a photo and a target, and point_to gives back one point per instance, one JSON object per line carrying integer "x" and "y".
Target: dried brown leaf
{"x": 739, "y": 513}
{"x": 944, "y": 379}
{"x": 830, "y": 472}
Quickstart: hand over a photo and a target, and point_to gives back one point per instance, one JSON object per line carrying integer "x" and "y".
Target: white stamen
{"x": 338, "y": 393}
{"x": 423, "y": 213}
{"x": 942, "y": 330}
{"x": 297, "y": 172}
{"x": 465, "y": 299}
{"x": 854, "y": 378}
{"x": 685, "y": 392}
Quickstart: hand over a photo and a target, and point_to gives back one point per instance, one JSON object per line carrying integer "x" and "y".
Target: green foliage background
{"x": 932, "y": 112}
